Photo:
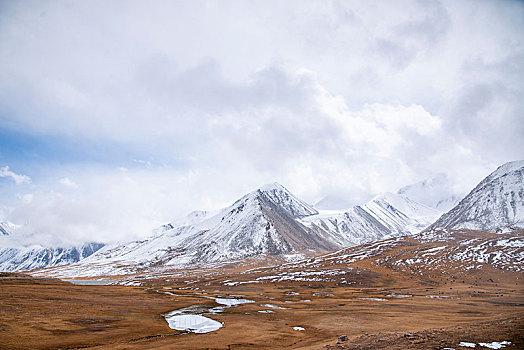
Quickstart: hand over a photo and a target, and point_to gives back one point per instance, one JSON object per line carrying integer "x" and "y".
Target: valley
{"x": 373, "y": 294}
{"x": 320, "y": 174}
{"x": 272, "y": 272}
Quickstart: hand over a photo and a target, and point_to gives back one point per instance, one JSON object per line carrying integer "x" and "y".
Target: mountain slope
{"x": 385, "y": 215}
{"x": 495, "y": 204}
{"x": 269, "y": 221}
{"x": 19, "y": 250}
{"x": 262, "y": 222}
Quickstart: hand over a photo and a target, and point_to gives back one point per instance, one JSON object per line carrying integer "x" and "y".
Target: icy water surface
{"x": 89, "y": 282}
{"x": 192, "y": 323}
{"x": 192, "y": 318}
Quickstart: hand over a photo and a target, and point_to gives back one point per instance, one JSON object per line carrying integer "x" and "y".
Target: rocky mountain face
{"x": 17, "y": 259}
{"x": 495, "y": 204}
{"x": 269, "y": 221}
{"x": 19, "y": 251}
{"x": 264, "y": 221}
{"x": 384, "y": 216}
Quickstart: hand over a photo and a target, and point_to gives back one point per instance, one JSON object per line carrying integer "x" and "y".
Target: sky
{"x": 119, "y": 116}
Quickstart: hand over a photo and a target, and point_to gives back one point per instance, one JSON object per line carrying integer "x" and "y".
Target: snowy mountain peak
{"x": 496, "y": 203}
{"x": 278, "y": 195}
{"x": 515, "y": 168}
{"x": 275, "y": 186}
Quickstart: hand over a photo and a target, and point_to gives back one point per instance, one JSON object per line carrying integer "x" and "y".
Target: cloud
{"x": 18, "y": 178}
{"x": 200, "y": 105}
{"x": 67, "y": 182}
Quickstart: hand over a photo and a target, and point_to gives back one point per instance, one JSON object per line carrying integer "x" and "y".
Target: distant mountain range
{"x": 17, "y": 259}
{"x": 18, "y": 253}
{"x": 271, "y": 221}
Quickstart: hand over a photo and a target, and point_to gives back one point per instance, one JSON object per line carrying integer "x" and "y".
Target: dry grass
{"x": 485, "y": 306}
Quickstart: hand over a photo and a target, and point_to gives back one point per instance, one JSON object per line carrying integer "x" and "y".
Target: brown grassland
{"x": 473, "y": 306}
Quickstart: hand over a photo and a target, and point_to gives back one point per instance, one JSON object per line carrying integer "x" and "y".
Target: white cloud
{"x": 331, "y": 98}
{"x": 67, "y": 182}
{"x": 18, "y": 178}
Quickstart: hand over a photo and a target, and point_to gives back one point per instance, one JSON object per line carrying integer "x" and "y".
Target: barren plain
{"x": 395, "y": 294}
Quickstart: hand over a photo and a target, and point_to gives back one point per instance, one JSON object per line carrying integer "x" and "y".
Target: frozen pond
{"x": 192, "y": 323}
{"x": 232, "y": 302}
{"x": 89, "y": 282}
{"x": 192, "y": 318}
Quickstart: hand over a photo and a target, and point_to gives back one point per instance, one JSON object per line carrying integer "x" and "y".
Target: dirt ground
{"x": 50, "y": 314}
{"x": 381, "y": 307}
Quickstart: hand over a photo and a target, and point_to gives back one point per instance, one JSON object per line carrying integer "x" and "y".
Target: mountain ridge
{"x": 495, "y": 204}
{"x": 269, "y": 221}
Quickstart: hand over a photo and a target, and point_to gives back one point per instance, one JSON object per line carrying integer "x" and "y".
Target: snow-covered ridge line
{"x": 19, "y": 259}
{"x": 272, "y": 222}
{"x": 496, "y": 204}
{"x": 269, "y": 221}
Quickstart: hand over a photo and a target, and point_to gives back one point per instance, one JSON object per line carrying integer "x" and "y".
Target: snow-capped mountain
{"x": 19, "y": 250}
{"x": 269, "y": 221}
{"x": 385, "y": 215}
{"x": 496, "y": 203}
{"x": 262, "y": 222}
{"x": 18, "y": 259}
{"x": 436, "y": 193}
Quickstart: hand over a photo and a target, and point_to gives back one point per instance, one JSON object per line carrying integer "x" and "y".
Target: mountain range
{"x": 18, "y": 259}
{"x": 272, "y": 222}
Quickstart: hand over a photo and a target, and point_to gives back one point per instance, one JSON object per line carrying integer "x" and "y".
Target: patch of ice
{"x": 441, "y": 297}
{"x": 495, "y": 344}
{"x": 393, "y": 295}
{"x": 99, "y": 282}
{"x": 299, "y": 328}
{"x": 467, "y": 345}
{"x": 232, "y": 302}
{"x": 266, "y": 311}
{"x": 192, "y": 323}
{"x": 373, "y": 299}
{"x": 274, "y": 306}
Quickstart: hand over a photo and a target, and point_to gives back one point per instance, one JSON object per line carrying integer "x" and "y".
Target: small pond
{"x": 192, "y": 318}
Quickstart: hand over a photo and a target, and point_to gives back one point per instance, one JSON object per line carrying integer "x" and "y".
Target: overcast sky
{"x": 117, "y": 116}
